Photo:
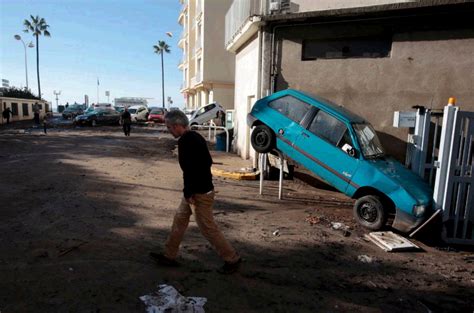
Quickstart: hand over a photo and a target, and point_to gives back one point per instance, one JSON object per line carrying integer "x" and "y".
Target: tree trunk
{"x": 37, "y": 67}
{"x": 162, "y": 79}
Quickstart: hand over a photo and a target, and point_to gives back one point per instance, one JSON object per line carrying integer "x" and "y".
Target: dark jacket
{"x": 195, "y": 161}
{"x": 126, "y": 117}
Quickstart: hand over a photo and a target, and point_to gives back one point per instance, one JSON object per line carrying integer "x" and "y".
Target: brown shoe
{"x": 163, "y": 260}
{"x": 229, "y": 268}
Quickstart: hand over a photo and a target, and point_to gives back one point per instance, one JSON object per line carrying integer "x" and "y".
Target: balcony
{"x": 182, "y": 61}
{"x": 198, "y": 9}
{"x": 182, "y": 38}
{"x": 198, "y": 45}
{"x": 242, "y": 17}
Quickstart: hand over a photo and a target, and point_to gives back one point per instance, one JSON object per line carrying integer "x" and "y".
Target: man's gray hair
{"x": 177, "y": 117}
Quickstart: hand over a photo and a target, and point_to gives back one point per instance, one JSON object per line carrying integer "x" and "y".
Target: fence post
{"x": 449, "y": 117}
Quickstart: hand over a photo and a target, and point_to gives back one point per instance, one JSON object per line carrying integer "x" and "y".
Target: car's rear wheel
{"x": 263, "y": 139}
{"x": 370, "y": 212}
{"x": 94, "y": 123}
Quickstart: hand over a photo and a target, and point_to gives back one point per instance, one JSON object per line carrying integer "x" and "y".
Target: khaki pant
{"x": 202, "y": 209}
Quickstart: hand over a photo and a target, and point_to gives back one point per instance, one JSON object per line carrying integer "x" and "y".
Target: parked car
{"x": 139, "y": 113}
{"x": 206, "y": 113}
{"x": 342, "y": 149}
{"x": 157, "y": 115}
{"x": 189, "y": 113}
{"x": 72, "y": 111}
{"x": 99, "y": 116}
{"x": 119, "y": 108}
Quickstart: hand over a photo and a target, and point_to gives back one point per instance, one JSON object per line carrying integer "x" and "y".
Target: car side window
{"x": 291, "y": 107}
{"x": 329, "y": 128}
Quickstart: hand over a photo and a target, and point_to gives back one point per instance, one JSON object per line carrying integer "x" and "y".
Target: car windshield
{"x": 132, "y": 111}
{"x": 368, "y": 140}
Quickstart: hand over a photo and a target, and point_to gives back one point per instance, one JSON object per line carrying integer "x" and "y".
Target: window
{"x": 14, "y": 109}
{"x": 40, "y": 106}
{"x": 25, "y": 109}
{"x": 329, "y": 128}
{"x": 360, "y": 47}
{"x": 291, "y": 107}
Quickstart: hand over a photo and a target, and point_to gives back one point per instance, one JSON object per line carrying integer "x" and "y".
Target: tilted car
{"x": 72, "y": 111}
{"x": 139, "y": 113}
{"x": 99, "y": 117}
{"x": 206, "y": 113}
{"x": 342, "y": 149}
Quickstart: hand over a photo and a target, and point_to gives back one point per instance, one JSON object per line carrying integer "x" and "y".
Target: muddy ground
{"x": 81, "y": 209}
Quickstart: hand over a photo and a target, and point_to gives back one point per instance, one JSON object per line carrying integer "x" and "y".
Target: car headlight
{"x": 419, "y": 210}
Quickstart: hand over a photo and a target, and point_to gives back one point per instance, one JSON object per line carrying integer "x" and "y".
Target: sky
{"x": 110, "y": 41}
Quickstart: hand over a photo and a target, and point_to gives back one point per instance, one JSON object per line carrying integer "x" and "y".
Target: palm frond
{"x": 47, "y": 33}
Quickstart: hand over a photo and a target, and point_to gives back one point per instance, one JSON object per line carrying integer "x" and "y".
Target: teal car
{"x": 342, "y": 149}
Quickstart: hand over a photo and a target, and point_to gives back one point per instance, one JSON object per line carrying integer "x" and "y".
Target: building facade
{"x": 23, "y": 109}
{"x": 372, "y": 57}
{"x": 208, "y": 68}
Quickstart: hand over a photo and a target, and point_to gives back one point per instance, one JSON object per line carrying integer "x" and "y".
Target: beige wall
{"x": 313, "y": 5}
{"x": 424, "y": 68}
{"x": 224, "y": 96}
{"x": 246, "y": 92}
{"x": 7, "y": 103}
{"x": 218, "y": 63}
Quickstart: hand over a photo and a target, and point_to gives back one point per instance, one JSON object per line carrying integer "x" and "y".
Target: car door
{"x": 286, "y": 118}
{"x": 328, "y": 150}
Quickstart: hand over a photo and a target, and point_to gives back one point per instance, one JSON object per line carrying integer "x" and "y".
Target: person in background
{"x": 195, "y": 161}
{"x": 45, "y": 123}
{"x": 6, "y": 114}
{"x": 126, "y": 121}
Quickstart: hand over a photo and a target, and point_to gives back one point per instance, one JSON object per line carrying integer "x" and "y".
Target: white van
{"x": 139, "y": 113}
{"x": 206, "y": 113}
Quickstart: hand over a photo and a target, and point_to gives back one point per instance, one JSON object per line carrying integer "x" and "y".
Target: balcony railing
{"x": 238, "y": 14}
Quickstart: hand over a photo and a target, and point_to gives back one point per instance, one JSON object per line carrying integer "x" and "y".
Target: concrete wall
{"x": 224, "y": 96}
{"x": 7, "y": 103}
{"x": 218, "y": 63}
{"x": 312, "y": 5}
{"x": 424, "y": 68}
{"x": 246, "y": 92}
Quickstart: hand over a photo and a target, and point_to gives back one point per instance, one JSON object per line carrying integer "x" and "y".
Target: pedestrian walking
{"x": 195, "y": 162}
{"x": 45, "y": 124}
{"x": 126, "y": 122}
{"x": 6, "y": 114}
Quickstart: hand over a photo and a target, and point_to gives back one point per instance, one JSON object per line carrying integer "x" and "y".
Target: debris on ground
{"x": 366, "y": 259}
{"x": 391, "y": 242}
{"x": 341, "y": 227}
{"x": 168, "y": 299}
{"x": 276, "y": 232}
{"x": 312, "y": 220}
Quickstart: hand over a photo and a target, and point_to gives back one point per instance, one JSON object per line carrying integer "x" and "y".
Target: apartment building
{"x": 208, "y": 68}
{"x": 374, "y": 57}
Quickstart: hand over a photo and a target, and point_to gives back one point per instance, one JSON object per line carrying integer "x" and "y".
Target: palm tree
{"x": 162, "y": 48}
{"x": 37, "y": 26}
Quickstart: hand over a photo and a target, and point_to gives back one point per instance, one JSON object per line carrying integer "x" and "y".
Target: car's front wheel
{"x": 94, "y": 123}
{"x": 369, "y": 211}
{"x": 263, "y": 139}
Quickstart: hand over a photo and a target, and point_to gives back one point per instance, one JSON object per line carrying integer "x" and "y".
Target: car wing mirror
{"x": 347, "y": 148}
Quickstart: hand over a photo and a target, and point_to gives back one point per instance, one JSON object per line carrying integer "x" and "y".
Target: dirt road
{"x": 81, "y": 209}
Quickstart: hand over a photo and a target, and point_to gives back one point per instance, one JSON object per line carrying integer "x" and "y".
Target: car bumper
{"x": 82, "y": 122}
{"x": 251, "y": 119}
{"x": 406, "y": 222}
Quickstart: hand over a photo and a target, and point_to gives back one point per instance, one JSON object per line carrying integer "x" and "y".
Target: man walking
{"x": 6, "y": 114}
{"x": 195, "y": 161}
{"x": 126, "y": 122}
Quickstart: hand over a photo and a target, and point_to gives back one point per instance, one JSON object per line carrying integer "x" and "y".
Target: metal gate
{"x": 454, "y": 176}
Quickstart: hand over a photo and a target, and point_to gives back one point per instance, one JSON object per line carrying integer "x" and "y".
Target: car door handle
{"x": 305, "y": 134}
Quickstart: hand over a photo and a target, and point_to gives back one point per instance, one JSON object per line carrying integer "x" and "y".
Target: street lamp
{"x": 56, "y": 93}
{"x": 30, "y": 45}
